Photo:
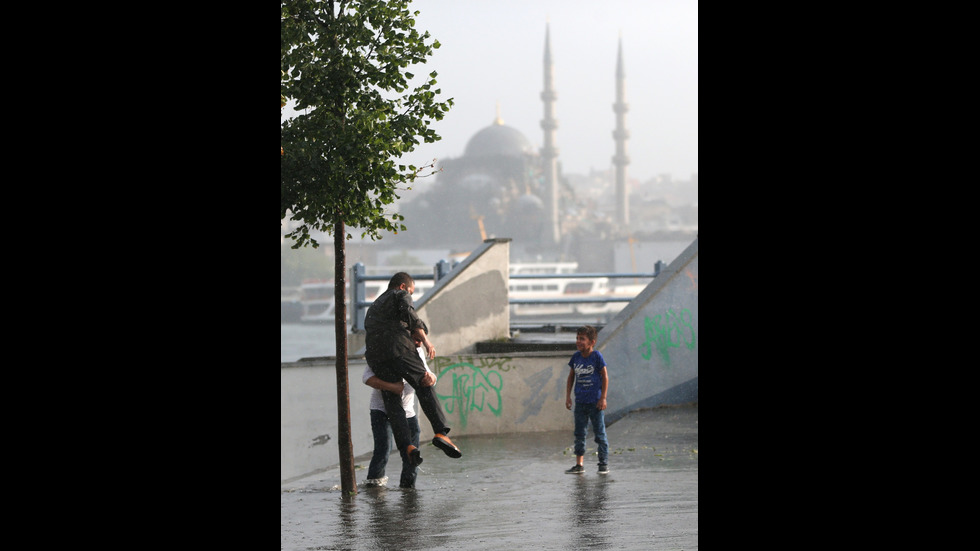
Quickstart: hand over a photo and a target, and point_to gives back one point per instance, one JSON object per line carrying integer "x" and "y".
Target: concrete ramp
{"x": 651, "y": 347}
{"x": 470, "y": 304}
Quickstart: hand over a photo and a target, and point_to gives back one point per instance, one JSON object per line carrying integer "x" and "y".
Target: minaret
{"x": 621, "y": 159}
{"x": 549, "y": 153}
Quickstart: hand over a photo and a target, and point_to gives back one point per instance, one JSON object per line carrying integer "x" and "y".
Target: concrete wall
{"x": 470, "y": 304}
{"x": 651, "y": 346}
{"x": 308, "y": 415}
{"x": 499, "y": 393}
{"x": 479, "y": 393}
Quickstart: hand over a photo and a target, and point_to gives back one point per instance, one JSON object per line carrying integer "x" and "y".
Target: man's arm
{"x": 419, "y": 335}
{"x": 416, "y": 327}
{"x": 430, "y": 377}
{"x": 374, "y": 382}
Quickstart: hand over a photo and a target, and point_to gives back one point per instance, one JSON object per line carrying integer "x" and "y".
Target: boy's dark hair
{"x": 399, "y": 278}
{"x": 589, "y": 332}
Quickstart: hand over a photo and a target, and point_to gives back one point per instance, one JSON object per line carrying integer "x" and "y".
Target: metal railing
{"x": 442, "y": 269}
{"x": 359, "y": 276}
{"x": 581, "y": 300}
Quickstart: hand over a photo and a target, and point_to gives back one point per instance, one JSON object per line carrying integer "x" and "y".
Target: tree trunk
{"x": 348, "y": 484}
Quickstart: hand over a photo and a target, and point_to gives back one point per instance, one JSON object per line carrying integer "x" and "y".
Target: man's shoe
{"x": 577, "y": 469}
{"x": 443, "y": 442}
{"x": 376, "y": 482}
{"x": 603, "y": 468}
{"x": 414, "y": 455}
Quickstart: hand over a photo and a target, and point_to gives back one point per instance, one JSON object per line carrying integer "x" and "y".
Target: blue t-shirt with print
{"x": 588, "y": 383}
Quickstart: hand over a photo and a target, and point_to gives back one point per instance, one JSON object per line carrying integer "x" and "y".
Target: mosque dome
{"x": 476, "y": 181}
{"x": 498, "y": 139}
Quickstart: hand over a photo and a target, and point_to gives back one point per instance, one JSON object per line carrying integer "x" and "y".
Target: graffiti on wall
{"x": 477, "y": 385}
{"x": 670, "y": 330}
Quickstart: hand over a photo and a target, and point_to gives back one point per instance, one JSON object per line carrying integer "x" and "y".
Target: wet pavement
{"x": 511, "y": 492}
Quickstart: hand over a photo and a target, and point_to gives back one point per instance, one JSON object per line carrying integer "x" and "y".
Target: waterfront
{"x": 300, "y": 340}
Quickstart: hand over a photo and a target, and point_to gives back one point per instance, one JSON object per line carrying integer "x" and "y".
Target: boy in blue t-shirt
{"x": 588, "y": 376}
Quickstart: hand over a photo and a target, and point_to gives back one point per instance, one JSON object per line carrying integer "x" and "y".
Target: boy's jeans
{"x": 584, "y": 413}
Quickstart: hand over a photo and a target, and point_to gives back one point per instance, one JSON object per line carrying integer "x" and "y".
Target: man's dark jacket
{"x": 389, "y": 323}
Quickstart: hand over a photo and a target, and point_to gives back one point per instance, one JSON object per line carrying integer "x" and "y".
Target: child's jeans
{"x": 585, "y": 413}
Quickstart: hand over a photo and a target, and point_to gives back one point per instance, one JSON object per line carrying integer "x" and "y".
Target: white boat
{"x": 290, "y": 307}
{"x": 317, "y": 298}
{"x": 604, "y": 289}
{"x": 540, "y": 288}
{"x": 565, "y": 286}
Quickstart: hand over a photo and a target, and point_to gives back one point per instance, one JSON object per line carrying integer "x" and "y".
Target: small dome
{"x": 498, "y": 139}
{"x": 530, "y": 202}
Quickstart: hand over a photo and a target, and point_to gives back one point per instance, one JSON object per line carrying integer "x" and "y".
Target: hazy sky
{"x": 493, "y": 51}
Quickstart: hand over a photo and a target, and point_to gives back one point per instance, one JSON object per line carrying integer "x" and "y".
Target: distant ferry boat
{"x": 317, "y": 299}
{"x": 290, "y": 307}
{"x": 565, "y": 286}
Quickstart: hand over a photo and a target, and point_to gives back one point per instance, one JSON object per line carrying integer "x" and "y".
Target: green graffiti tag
{"x": 475, "y": 388}
{"x": 482, "y": 362}
{"x": 670, "y": 330}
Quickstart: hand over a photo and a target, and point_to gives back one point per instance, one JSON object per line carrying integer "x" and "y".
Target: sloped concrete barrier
{"x": 651, "y": 347}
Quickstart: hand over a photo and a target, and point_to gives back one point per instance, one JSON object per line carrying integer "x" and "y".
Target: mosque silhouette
{"x": 502, "y": 187}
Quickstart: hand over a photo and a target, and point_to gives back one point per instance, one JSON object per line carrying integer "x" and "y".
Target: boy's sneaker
{"x": 376, "y": 482}
{"x": 603, "y": 468}
{"x": 577, "y": 469}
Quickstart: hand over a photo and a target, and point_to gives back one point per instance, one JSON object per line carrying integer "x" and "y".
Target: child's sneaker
{"x": 603, "y": 468}
{"x": 577, "y": 469}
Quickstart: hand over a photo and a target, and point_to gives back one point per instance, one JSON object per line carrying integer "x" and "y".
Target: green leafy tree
{"x": 346, "y": 65}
